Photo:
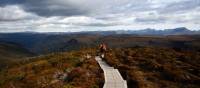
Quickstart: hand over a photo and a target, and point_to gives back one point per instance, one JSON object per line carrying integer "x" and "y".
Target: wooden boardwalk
{"x": 113, "y": 78}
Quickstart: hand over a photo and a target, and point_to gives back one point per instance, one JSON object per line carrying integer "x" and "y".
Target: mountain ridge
{"x": 147, "y": 31}
{"x": 150, "y": 31}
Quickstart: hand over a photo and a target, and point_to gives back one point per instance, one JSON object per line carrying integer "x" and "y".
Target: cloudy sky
{"x": 92, "y": 15}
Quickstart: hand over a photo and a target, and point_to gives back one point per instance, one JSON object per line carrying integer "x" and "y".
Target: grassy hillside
{"x": 58, "y": 70}
{"x": 144, "y": 61}
{"x": 185, "y": 42}
{"x": 156, "y": 67}
{"x": 11, "y": 53}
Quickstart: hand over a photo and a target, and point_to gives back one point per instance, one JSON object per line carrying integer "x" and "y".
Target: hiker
{"x": 102, "y": 49}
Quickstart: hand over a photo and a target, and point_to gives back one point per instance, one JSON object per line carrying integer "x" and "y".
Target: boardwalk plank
{"x": 113, "y": 78}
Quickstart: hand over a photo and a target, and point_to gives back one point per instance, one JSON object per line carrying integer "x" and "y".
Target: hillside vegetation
{"x": 156, "y": 67}
{"x": 75, "y": 69}
{"x": 11, "y": 53}
{"x": 65, "y": 61}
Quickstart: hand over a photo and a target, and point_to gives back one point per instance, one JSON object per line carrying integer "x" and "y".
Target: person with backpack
{"x": 102, "y": 50}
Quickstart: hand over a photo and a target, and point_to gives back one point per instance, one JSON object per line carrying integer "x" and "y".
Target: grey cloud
{"x": 10, "y": 2}
{"x": 151, "y": 20}
{"x": 98, "y": 7}
{"x": 15, "y": 13}
{"x": 76, "y": 7}
{"x": 101, "y": 13}
{"x": 180, "y": 6}
{"x": 100, "y": 24}
{"x": 91, "y": 22}
{"x": 48, "y": 7}
{"x": 53, "y": 8}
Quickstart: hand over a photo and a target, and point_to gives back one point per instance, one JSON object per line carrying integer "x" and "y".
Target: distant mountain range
{"x": 176, "y": 31}
{"x": 149, "y": 31}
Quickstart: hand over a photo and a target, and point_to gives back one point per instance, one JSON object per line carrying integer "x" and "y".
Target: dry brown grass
{"x": 42, "y": 72}
{"x": 153, "y": 67}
